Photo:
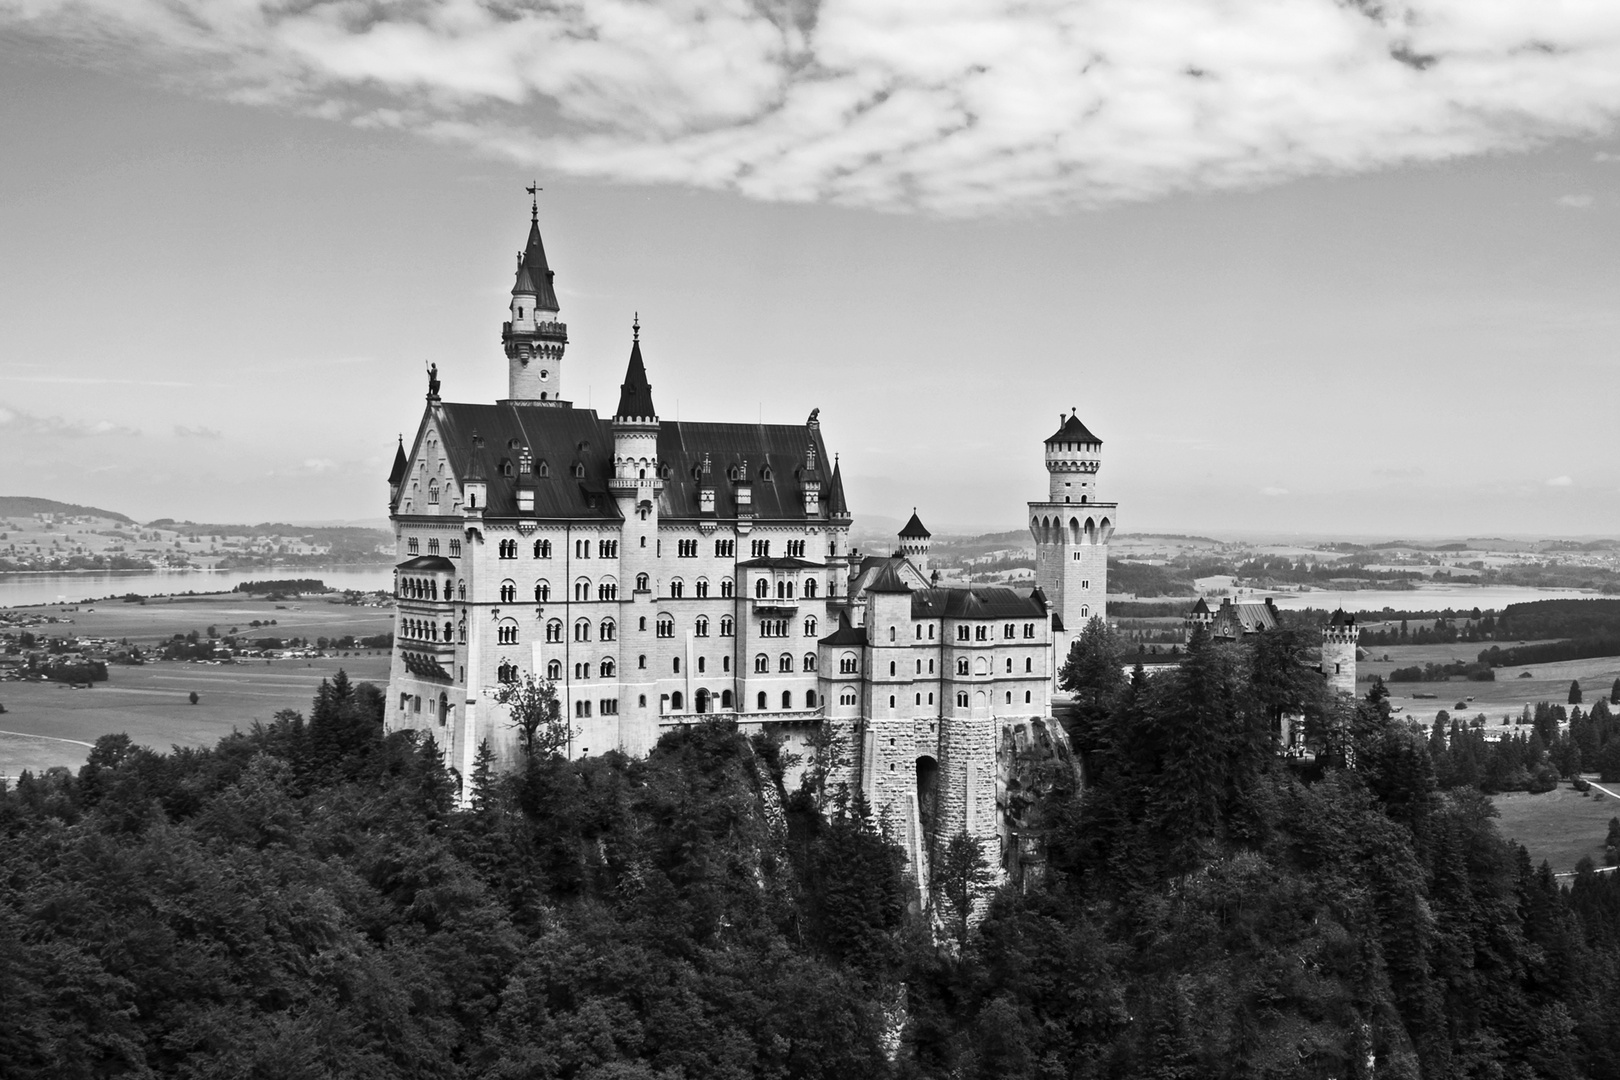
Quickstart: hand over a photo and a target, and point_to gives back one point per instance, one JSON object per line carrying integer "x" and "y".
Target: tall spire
{"x": 534, "y": 274}
{"x": 635, "y": 393}
{"x": 400, "y": 464}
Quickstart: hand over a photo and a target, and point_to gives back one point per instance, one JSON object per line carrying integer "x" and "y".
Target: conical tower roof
{"x": 914, "y": 529}
{"x": 1072, "y": 430}
{"x": 635, "y": 393}
{"x": 400, "y": 464}
{"x": 836, "y": 506}
{"x": 534, "y": 275}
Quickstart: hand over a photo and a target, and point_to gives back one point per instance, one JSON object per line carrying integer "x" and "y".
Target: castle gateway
{"x": 662, "y": 572}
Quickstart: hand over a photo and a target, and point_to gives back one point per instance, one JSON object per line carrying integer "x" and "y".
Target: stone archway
{"x": 700, "y": 701}
{"x": 927, "y": 796}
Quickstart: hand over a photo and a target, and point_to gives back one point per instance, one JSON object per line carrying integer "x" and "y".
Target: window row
{"x": 421, "y": 589}
{"x": 784, "y": 588}
{"x": 606, "y": 707}
{"x": 427, "y": 630}
{"x": 784, "y": 663}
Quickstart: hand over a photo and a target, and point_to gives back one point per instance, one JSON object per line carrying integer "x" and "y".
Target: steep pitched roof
{"x": 888, "y": 581}
{"x": 635, "y": 393}
{"x": 914, "y": 528}
{"x": 534, "y": 276}
{"x": 400, "y": 464}
{"x": 1200, "y": 608}
{"x": 836, "y": 505}
{"x": 567, "y": 441}
{"x": 978, "y": 602}
{"x": 1341, "y": 618}
{"x": 1072, "y": 430}
{"x": 845, "y": 634}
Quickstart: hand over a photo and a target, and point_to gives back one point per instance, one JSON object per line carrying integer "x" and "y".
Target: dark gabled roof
{"x": 955, "y": 602}
{"x": 1072, "y": 430}
{"x": 635, "y": 393}
{"x": 774, "y": 562}
{"x": 914, "y": 528}
{"x": 1200, "y": 608}
{"x": 888, "y": 581}
{"x": 427, "y": 563}
{"x": 845, "y": 634}
{"x": 533, "y": 275}
{"x": 1340, "y": 618}
{"x": 400, "y": 464}
{"x": 564, "y": 438}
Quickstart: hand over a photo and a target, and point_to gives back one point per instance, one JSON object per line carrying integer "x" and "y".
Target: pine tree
{"x": 1574, "y": 691}
{"x": 483, "y": 780}
{"x": 1614, "y": 693}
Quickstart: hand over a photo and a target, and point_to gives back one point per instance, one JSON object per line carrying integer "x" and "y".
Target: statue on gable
{"x": 433, "y": 381}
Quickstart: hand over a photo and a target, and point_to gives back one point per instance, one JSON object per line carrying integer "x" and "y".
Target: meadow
{"x": 1559, "y": 826}
{"x": 48, "y": 724}
{"x": 1506, "y": 696}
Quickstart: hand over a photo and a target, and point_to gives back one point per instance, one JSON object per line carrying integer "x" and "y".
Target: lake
{"x": 1427, "y": 597}
{"x": 20, "y": 590}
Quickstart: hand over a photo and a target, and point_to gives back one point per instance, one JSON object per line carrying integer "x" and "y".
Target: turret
{"x": 1073, "y": 456}
{"x": 810, "y": 472}
{"x": 1339, "y": 640}
{"x": 914, "y": 541}
{"x": 635, "y": 486}
{"x": 533, "y": 337}
{"x": 396, "y": 475}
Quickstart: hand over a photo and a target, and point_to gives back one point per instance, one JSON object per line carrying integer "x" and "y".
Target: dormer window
{"x": 542, "y": 469}
{"x": 506, "y": 468}
{"x": 579, "y": 471}
{"x": 765, "y": 472}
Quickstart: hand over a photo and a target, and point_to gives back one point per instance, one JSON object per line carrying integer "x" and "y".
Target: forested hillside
{"x": 302, "y": 901}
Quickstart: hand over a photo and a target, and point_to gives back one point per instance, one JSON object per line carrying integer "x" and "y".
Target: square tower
{"x": 1072, "y": 528}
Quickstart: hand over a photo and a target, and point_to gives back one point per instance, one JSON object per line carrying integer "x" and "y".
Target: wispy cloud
{"x": 1560, "y": 481}
{"x": 181, "y": 431}
{"x": 15, "y": 423}
{"x": 1273, "y": 491}
{"x": 1579, "y": 202}
{"x": 957, "y": 107}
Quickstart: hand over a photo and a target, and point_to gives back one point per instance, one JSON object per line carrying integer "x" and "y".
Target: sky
{"x": 1304, "y": 265}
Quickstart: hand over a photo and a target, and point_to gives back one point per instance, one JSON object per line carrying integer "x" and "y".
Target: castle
{"x": 660, "y": 572}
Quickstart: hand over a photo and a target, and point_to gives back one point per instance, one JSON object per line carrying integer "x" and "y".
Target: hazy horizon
{"x": 1295, "y": 282}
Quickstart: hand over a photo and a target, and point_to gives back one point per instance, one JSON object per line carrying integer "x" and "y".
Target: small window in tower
{"x": 520, "y": 313}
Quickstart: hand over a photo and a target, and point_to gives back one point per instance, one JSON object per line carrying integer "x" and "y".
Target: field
{"x": 1506, "y": 696}
{"x": 1558, "y": 826}
{"x": 49, "y": 724}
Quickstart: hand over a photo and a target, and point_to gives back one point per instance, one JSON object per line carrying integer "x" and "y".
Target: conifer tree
{"x": 1574, "y": 691}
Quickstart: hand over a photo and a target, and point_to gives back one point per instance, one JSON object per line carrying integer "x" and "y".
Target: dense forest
{"x": 303, "y": 900}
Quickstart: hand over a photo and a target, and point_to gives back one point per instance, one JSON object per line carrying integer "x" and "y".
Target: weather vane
{"x": 534, "y": 199}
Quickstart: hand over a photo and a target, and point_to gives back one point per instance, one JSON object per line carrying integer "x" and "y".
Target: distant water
{"x": 20, "y": 590}
{"x": 1427, "y": 597}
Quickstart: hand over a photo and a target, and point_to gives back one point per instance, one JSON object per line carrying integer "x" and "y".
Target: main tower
{"x": 1071, "y": 529}
{"x": 533, "y": 336}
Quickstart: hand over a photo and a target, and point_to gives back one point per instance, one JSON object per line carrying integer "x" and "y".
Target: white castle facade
{"x": 662, "y": 572}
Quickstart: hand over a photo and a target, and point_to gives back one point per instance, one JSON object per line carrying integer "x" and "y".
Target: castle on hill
{"x": 662, "y": 572}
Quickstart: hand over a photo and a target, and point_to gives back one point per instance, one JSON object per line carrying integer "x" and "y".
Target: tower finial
{"x": 534, "y": 200}
{"x": 635, "y": 326}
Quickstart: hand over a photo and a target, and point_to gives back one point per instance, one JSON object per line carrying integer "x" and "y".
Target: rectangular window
{"x": 609, "y": 706}
{"x": 433, "y": 547}
{"x": 410, "y": 545}
{"x": 686, "y": 549}
{"x": 962, "y": 633}
{"x": 725, "y": 549}
{"x": 455, "y": 549}
{"x": 607, "y": 549}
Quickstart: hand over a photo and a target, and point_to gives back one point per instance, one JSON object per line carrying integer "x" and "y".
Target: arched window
{"x": 701, "y": 588}
{"x": 642, "y": 583}
{"x": 703, "y": 664}
{"x": 762, "y": 589}
{"x": 727, "y": 588}
{"x": 582, "y": 589}
{"x": 542, "y": 468}
{"x": 725, "y": 663}
{"x": 607, "y": 669}
{"x": 787, "y": 699}
{"x": 641, "y": 662}
{"x": 554, "y": 630}
{"x": 666, "y": 626}
{"x": 891, "y": 633}
{"x": 506, "y": 633}
{"x": 725, "y": 699}
{"x": 961, "y": 699}
{"x": 981, "y": 666}
{"x": 962, "y": 665}
{"x": 554, "y": 670}
{"x": 1026, "y": 697}
{"x": 810, "y": 626}
{"x": 781, "y": 590}
{"x": 582, "y": 630}
{"x": 809, "y": 699}
{"x": 607, "y": 590}
{"x": 676, "y": 588}
{"x": 701, "y": 627}
{"x": 1029, "y": 664}
{"x": 784, "y": 662}
{"x": 461, "y": 590}
{"x": 809, "y": 661}
{"x": 542, "y": 591}
{"x": 542, "y": 549}
{"x": 762, "y": 664}
{"x": 848, "y": 664}
{"x": 809, "y": 588}
{"x": 676, "y": 701}
{"x": 891, "y": 668}
{"x": 461, "y": 631}
{"x": 762, "y": 701}
{"x": 1009, "y": 697}
{"x": 727, "y": 627}
{"x": 846, "y": 697}
{"x": 508, "y": 592}
{"x": 608, "y": 631}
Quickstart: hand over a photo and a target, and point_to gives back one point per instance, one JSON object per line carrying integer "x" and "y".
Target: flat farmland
{"x": 1558, "y": 826}
{"x": 53, "y": 724}
{"x": 1508, "y": 694}
{"x": 163, "y": 617}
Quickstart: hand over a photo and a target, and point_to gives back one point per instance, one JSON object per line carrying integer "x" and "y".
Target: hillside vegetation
{"x": 302, "y": 901}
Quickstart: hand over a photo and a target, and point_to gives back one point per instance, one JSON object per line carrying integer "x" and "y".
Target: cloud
{"x": 1560, "y": 481}
{"x": 1603, "y": 155}
{"x": 1273, "y": 491}
{"x": 1402, "y": 472}
{"x": 183, "y": 432}
{"x": 19, "y": 424}
{"x": 1579, "y": 202}
{"x": 955, "y": 107}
